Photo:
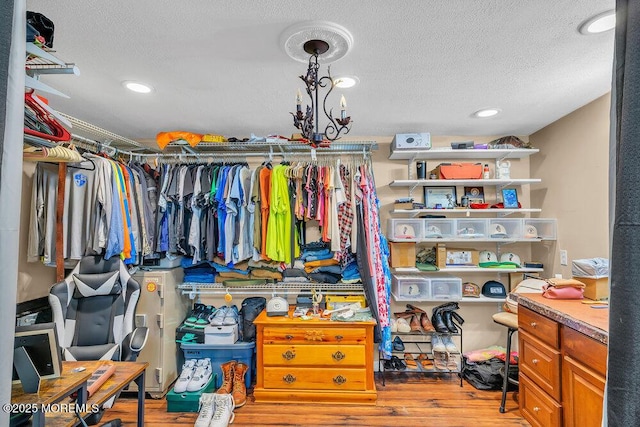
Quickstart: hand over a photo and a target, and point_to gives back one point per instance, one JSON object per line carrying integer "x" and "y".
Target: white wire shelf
{"x": 467, "y": 212}
{"x": 193, "y": 289}
{"x": 448, "y": 153}
{"x": 469, "y": 270}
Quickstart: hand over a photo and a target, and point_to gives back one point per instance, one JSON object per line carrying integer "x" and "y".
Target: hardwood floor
{"x": 406, "y": 400}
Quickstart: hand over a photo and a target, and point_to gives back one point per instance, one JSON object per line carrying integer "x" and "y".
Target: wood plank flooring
{"x": 406, "y": 400}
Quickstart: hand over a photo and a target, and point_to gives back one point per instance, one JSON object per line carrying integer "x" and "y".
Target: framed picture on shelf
{"x": 440, "y": 197}
{"x": 474, "y": 194}
{"x": 510, "y": 198}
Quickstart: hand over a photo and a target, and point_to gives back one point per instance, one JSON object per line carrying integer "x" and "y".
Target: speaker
{"x": 411, "y": 141}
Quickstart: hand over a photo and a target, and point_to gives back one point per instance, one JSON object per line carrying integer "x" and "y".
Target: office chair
{"x": 94, "y": 312}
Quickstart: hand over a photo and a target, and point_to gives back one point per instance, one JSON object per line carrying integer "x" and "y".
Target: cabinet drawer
{"x": 541, "y": 363}
{"x": 315, "y": 355}
{"x": 314, "y": 378}
{"x": 584, "y": 349}
{"x": 537, "y": 407}
{"x": 314, "y": 335}
{"x": 539, "y": 326}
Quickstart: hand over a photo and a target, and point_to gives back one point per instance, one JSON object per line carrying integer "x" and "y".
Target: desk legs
{"x": 141, "y": 396}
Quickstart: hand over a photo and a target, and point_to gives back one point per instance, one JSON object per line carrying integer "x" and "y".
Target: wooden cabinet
{"x": 562, "y": 373}
{"x": 314, "y": 360}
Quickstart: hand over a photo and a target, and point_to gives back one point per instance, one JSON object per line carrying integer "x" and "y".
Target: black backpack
{"x": 250, "y": 309}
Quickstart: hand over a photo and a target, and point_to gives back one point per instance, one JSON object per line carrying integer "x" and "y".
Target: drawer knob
{"x": 339, "y": 337}
{"x": 536, "y": 409}
{"x": 339, "y": 380}
{"x": 289, "y": 379}
{"x": 534, "y": 324}
{"x": 288, "y": 355}
{"x": 338, "y": 356}
{"x": 288, "y": 337}
{"x": 535, "y": 361}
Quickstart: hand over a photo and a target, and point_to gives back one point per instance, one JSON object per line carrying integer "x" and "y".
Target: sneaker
{"x": 223, "y": 415}
{"x": 231, "y": 316}
{"x": 185, "y": 376}
{"x": 201, "y": 376}
{"x": 194, "y": 314}
{"x": 398, "y": 345}
{"x": 200, "y": 318}
{"x": 206, "y": 409}
{"x": 218, "y": 317}
{"x": 437, "y": 344}
{"x": 448, "y": 343}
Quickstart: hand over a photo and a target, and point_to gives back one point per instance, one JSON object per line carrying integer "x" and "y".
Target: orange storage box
{"x": 458, "y": 171}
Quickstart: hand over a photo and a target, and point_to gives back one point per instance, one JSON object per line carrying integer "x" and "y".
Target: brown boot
{"x": 239, "y": 388}
{"x": 227, "y": 369}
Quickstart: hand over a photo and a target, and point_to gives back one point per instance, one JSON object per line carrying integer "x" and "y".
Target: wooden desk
{"x": 51, "y": 391}
{"x": 125, "y": 373}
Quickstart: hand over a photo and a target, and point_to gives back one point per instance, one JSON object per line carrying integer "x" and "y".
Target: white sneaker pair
{"x": 224, "y": 316}
{"x": 216, "y": 410}
{"x": 195, "y": 375}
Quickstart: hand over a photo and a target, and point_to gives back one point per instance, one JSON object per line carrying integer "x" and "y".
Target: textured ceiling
{"x": 424, "y": 66}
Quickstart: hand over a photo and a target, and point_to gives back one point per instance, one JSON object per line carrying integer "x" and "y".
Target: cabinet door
{"x": 582, "y": 394}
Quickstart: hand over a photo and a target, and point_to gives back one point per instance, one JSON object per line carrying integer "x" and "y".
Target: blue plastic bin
{"x": 221, "y": 353}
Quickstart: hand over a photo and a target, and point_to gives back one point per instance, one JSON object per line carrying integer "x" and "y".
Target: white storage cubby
{"x": 472, "y": 228}
{"x": 410, "y": 288}
{"x": 511, "y": 227}
{"x": 446, "y": 288}
{"x": 539, "y": 228}
{"x": 399, "y": 229}
{"x": 435, "y": 228}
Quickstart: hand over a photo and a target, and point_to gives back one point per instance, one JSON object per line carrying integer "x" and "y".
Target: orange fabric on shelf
{"x": 312, "y": 265}
{"x": 164, "y": 138}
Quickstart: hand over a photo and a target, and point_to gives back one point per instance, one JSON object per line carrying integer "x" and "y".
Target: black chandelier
{"x": 305, "y": 121}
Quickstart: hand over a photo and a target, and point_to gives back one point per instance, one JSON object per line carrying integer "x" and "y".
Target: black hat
{"x": 494, "y": 289}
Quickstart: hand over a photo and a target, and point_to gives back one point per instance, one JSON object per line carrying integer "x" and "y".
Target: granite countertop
{"x": 593, "y": 322}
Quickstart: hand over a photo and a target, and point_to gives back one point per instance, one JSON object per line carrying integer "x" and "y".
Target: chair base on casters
{"x": 509, "y": 320}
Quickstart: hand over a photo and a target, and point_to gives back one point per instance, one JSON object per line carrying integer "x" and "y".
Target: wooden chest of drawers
{"x": 314, "y": 360}
{"x": 562, "y": 373}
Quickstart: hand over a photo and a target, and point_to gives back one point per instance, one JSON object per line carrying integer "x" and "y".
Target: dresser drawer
{"x": 540, "y": 363}
{"x": 315, "y": 355}
{"x": 585, "y": 349}
{"x": 541, "y": 327}
{"x": 314, "y": 378}
{"x": 311, "y": 334}
{"x": 536, "y": 406}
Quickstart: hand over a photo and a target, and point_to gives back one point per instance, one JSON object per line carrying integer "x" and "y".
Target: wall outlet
{"x": 564, "y": 260}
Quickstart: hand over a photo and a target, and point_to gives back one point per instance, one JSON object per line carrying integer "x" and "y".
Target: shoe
{"x": 458, "y": 318}
{"x": 393, "y": 325}
{"x": 426, "y": 323}
{"x": 201, "y": 376}
{"x": 398, "y": 345}
{"x": 411, "y": 363}
{"x": 218, "y": 317}
{"x": 449, "y": 345}
{"x": 413, "y": 309}
{"x": 438, "y": 322}
{"x": 403, "y": 326}
{"x": 414, "y": 323}
{"x": 398, "y": 364}
{"x": 186, "y": 374}
{"x": 223, "y": 415}
{"x": 437, "y": 344}
{"x": 239, "y": 391}
{"x": 425, "y": 362}
{"x": 200, "y": 319}
{"x": 206, "y": 409}
{"x": 227, "y": 377}
{"x": 231, "y": 316}
{"x": 448, "y": 321}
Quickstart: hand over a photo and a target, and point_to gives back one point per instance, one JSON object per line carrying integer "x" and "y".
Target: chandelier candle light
{"x": 305, "y": 121}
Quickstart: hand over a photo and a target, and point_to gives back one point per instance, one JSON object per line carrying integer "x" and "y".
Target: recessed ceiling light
{"x": 346, "y": 81}
{"x": 486, "y": 112}
{"x": 599, "y": 23}
{"x": 137, "y": 87}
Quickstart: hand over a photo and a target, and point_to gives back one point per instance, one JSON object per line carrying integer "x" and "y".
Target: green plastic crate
{"x": 189, "y": 400}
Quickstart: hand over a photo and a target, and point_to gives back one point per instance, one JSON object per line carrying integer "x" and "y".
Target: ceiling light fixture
{"x": 305, "y": 120}
{"x": 486, "y": 112}
{"x": 137, "y": 86}
{"x": 599, "y": 23}
{"x": 345, "y": 82}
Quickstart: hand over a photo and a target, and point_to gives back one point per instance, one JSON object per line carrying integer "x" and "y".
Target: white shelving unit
{"x": 447, "y": 154}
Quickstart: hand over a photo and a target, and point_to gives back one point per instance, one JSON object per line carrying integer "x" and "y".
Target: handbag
{"x": 563, "y": 289}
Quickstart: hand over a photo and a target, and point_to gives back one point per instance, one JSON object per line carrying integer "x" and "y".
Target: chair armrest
{"x": 134, "y": 343}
